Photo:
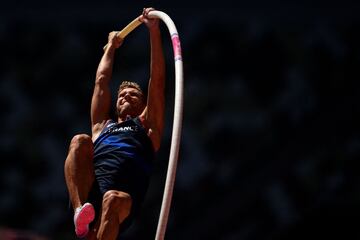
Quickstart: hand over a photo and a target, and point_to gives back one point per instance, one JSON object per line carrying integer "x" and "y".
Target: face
{"x": 129, "y": 102}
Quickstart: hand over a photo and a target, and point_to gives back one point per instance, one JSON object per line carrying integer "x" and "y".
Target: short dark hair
{"x": 129, "y": 84}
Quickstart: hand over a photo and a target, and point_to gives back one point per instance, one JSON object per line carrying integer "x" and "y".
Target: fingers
{"x": 115, "y": 36}
{"x": 151, "y": 23}
{"x": 114, "y": 39}
{"x": 146, "y": 11}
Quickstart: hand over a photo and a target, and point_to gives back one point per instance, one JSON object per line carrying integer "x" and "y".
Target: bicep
{"x": 153, "y": 114}
{"x": 100, "y": 104}
{"x": 153, "y": 132}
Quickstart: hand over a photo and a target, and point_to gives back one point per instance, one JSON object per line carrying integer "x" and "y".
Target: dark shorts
{"x": 125, "y": 176}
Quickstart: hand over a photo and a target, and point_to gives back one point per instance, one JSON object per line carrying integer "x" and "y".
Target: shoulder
{"x": 151, "y": 131}
{"x": 99, "y": 127}
{"x": 142, "y": 121}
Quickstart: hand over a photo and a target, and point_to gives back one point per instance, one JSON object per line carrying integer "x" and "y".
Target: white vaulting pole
{"x": 177, "y": 124}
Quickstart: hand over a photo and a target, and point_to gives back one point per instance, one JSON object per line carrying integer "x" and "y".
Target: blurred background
{"x": 270, "y": 134}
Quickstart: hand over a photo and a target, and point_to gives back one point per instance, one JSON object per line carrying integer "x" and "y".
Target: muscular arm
{"x": 101, "y": 99}
{"x": 153, "y": 114}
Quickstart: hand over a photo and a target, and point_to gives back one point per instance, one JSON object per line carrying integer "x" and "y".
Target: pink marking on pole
{"x": 176, "y": 46}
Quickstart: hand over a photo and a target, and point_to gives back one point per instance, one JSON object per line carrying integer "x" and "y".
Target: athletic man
{"x": 107, "y": 174}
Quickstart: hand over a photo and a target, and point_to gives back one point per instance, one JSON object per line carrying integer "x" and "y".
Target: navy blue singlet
{"x": 123, "y": 160}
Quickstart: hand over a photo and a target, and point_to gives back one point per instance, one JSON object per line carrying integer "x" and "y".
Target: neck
{"x": 123, "y": 118}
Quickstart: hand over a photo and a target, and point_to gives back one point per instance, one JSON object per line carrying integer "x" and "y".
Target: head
{"x": 130, "y": 100}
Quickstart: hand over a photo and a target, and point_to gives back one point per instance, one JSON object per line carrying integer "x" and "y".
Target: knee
{"x": 81, "y": 142}
{"x": 117, "y": 201}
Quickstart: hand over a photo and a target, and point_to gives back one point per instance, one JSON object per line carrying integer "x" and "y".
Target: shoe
{"x": 83, "y": 216}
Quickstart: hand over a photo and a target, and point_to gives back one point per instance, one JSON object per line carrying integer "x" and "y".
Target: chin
{"x": 124, "y": 114}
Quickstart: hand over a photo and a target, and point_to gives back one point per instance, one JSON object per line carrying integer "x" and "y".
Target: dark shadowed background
{"x": 270, "y": 134}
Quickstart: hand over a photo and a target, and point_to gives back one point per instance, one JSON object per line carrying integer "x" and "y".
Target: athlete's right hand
{"x": 114, "y": 40}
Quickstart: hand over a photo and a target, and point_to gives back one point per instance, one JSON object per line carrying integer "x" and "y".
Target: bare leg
{"x": 92, "y": 235}
{"x": 79, "y": 171}
{"x": 116, "y": 207}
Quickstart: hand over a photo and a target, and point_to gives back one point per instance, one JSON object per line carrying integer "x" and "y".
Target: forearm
{"x": 105, "y": 68}
{"x": 157, "y": 64}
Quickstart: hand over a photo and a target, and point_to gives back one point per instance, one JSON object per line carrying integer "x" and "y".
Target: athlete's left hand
{"x": 149, "y": 22}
